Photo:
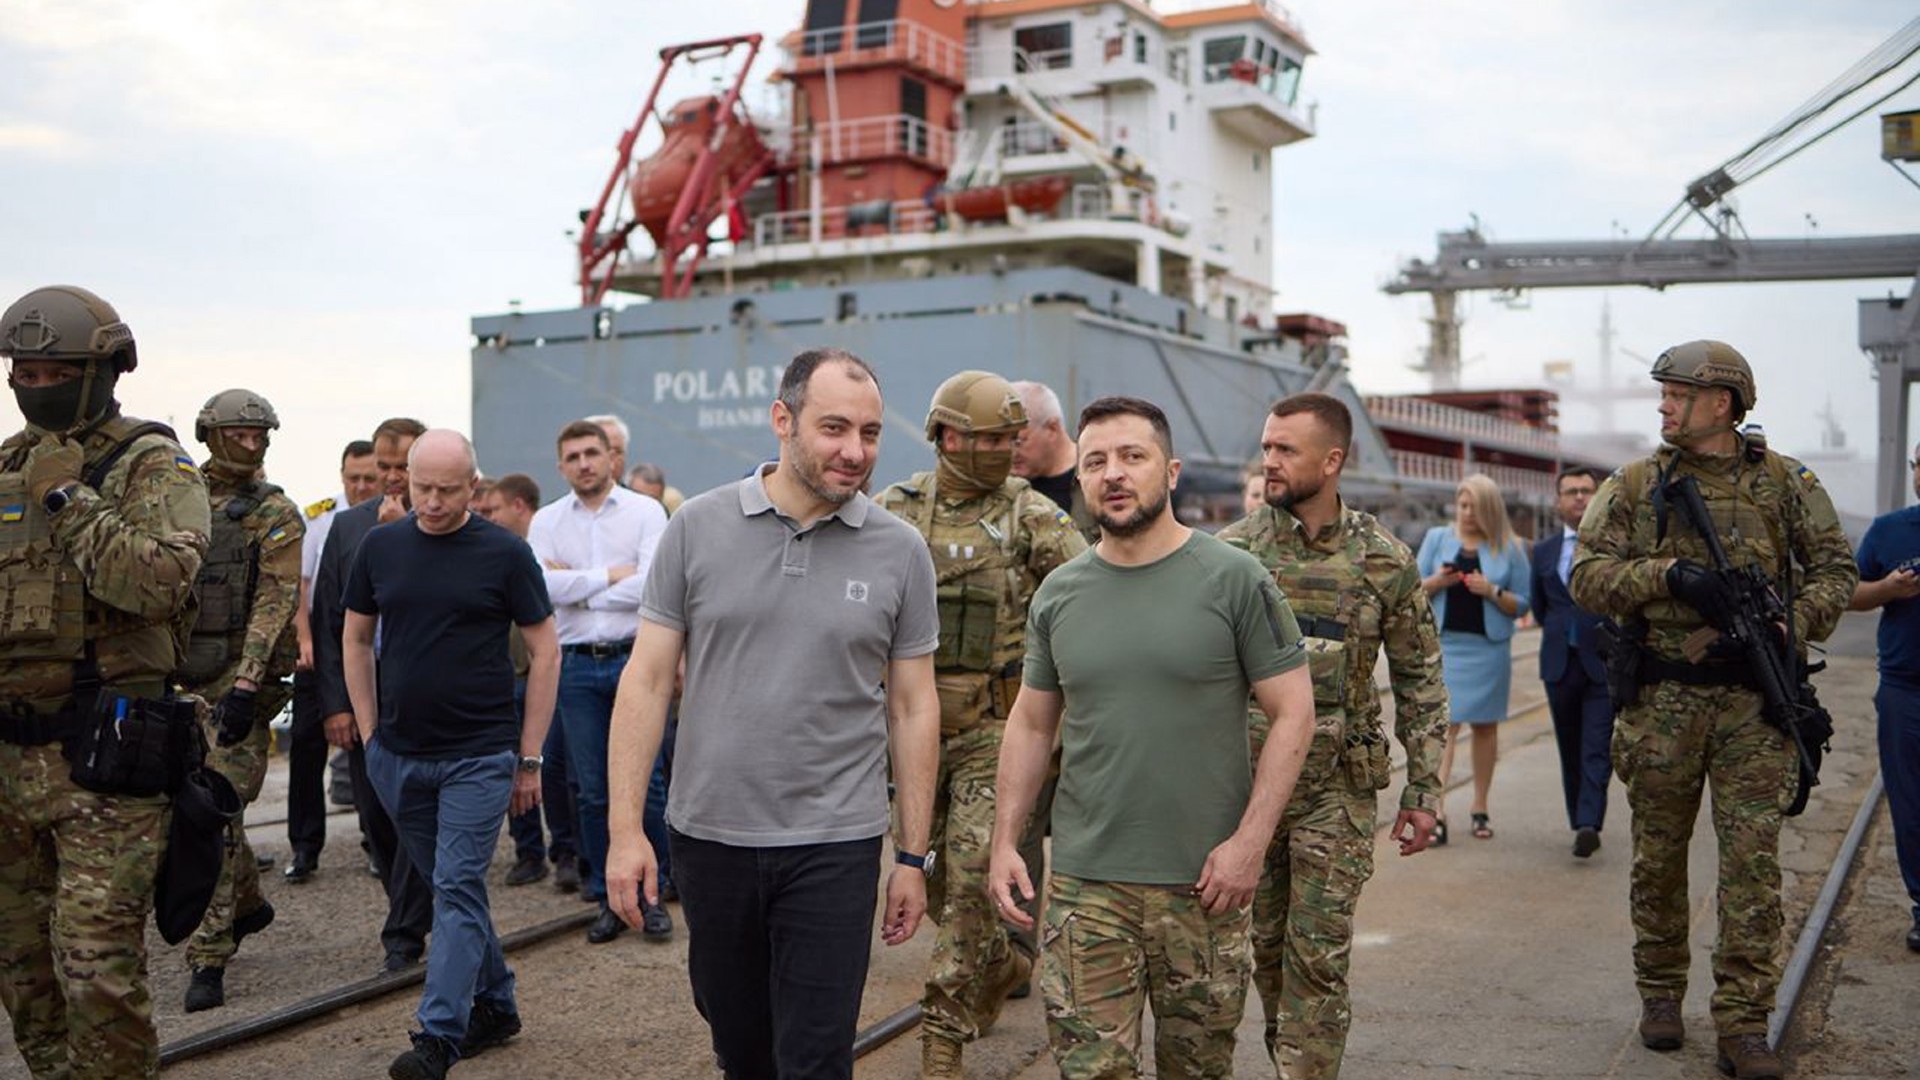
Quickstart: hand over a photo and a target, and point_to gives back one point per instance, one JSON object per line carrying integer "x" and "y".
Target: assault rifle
{"x": 1749, "y": 628}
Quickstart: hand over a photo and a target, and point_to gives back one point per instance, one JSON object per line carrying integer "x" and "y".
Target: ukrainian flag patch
{"x": 16, "y": 512}
{"x": 277, "y": 534}
{"x": 184, "y": 464}
{"x": 1061, "y": 517}
{"x": 1806, "y": 476}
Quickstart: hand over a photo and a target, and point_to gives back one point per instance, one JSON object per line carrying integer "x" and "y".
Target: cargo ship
{"x": 1077, "y": 192}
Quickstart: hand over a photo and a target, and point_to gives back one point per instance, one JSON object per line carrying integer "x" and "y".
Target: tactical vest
{"x": 229, "y": 576}
{"x": 980, "y": 578}
{"x": 1340, "y": 613}
{"x": 47, "y": 617}
{"x": 1747, "y": 509}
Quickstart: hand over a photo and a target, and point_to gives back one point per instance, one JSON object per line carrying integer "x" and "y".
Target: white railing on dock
{"x": 1459, "y": 423}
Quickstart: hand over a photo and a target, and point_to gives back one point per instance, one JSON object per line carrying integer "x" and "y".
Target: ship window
{"x": 1219, "y": 54}
{"x": 1139, "y": 48}
{"x": 1173, "y": 121}
{"x": 913, "y": 117}
{"x": 823, "y": 23}
{"x": 1256, "y": 160}
{"x": 1287, "y": 85}
{"x": 1177, "y": 65}
{"x": 876, "y": 23}
{"x": 1043, "y": 48}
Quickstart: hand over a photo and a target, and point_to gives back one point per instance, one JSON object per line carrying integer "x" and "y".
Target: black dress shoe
{"x": 655, "y": 923}
{"x": 1585, "y": 842}
{"x": 1913, "y": 935}
{"x": 607, "y": 927}
{"x": 398, "y": 961}
{"x": 300, "y": 870}
{"x": 527, "y": 869}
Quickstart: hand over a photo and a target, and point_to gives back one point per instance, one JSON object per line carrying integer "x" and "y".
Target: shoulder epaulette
{"x": 314, "y": 510}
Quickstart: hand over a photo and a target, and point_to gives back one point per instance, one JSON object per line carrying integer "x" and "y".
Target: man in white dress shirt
{"x": 595, "y": 544}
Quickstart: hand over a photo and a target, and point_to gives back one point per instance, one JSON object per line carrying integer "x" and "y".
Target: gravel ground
{"x": 624, "y": 1009}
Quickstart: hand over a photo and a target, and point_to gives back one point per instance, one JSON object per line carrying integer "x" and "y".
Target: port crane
{"x": 1467, "y": 261}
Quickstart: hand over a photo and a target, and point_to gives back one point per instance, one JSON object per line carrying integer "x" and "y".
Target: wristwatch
{"x": 57, "y": 499}
{"x": 533, "y": 763}
{"x": 922, "y": 863}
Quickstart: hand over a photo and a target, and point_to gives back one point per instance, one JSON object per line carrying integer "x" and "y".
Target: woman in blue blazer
{"x": 1476, "y": 573}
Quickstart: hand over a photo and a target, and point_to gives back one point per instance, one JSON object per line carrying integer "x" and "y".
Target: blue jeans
{"x": 587, "y": 687}
{"x": 556, "y": 795}
{"x": 448, "y": 815}
{"x": 778, "y": 942}
{"x": 1898, "y": 703}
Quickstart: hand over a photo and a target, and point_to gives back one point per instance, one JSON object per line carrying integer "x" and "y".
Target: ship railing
{"x": 1440, "y": 469}
{"x": 893, "y": 39}
{"x": 877, "y": 136}
{"x": 905, "y": 216}
{"x": 1449, "y": 420}
{"x": 1026, "y": 137}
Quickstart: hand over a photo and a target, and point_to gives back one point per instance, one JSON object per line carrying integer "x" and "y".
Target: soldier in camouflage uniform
{"x": 1697, "y": 718}
{"x": 103, "y": 522}
{"x": 993, "y": 539}
{"x": 244, "y": 647}
{"x": 1354, "y": 589}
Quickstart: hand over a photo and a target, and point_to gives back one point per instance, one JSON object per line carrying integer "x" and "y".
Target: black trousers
{"x": 307, "y": 769}
{"x": 1583, "y": 731}
{"x": 778, "y": 941}
{"x": 409, "y": 896}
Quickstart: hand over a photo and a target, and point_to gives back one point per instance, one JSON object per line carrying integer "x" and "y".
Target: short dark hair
{"x": 794, "y": 380}
{"x": 482, "y": 485}
{"x": 397, "y": 428}
{"x": 1119, "y": 405}
{"x": 648, "y": 471}
{"x": 356, "y": 448}
{"x": 1576, "y": 470}
{"x": 1330, "y": 411}
{"x": 583, "y": 429}
{"x": 520, "y": 487}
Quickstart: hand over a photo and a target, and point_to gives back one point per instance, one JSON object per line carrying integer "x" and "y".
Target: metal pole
{"x": 1801, "y": 962}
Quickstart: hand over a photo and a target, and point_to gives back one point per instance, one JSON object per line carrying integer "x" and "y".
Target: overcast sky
{"x": 311, "y": 200}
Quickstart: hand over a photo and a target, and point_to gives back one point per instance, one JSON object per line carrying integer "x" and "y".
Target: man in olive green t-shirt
{"x": 1151, "y": 641}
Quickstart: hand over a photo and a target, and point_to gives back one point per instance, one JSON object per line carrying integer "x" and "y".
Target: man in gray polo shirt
{"x": 807, "y": 619}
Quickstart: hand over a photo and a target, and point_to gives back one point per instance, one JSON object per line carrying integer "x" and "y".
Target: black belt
{"x": 600, "y": 649}
{"x": 1315, "y": 626}
{"x": 22, "y": 726}
{"x": 1655, "y": 669}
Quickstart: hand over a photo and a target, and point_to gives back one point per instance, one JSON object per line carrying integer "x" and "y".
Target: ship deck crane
{"x": 1889, "y": 330}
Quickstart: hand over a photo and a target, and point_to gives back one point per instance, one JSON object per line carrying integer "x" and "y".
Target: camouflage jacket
{"x": 273, "y": 528}
{"x": 115, "y": 567}
{"x": 990, "y": 553}
{"x": 1358, "y": 580}
{"x": 1765, "y": 506}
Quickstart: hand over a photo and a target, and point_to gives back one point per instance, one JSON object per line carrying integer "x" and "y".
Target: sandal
{"x": 1482, "y": 830}
{"x": 1438, "y": 837}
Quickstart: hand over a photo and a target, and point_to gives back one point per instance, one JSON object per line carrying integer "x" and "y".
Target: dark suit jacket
{"x": 1553, "y": 606}
{"x": 329, "y": 619}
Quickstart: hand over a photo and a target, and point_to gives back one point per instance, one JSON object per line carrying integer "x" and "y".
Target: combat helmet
{"x": 973, "y": 402}
{"x": 234, "y": 408}
{"x": 1708, "y": 363}
{"x": 66, "y": 322}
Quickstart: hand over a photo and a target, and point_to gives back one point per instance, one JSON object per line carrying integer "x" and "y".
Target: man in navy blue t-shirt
{"x": 447, "y": 750}
{"x": 1889, "y": 559}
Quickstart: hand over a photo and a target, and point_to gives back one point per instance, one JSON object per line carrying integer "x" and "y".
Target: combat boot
{"x": 939, "y": 1058}
{"x": 1011, "y": 976}
{"x": 1660, "y": 1025}
{"x": 1748, "y": 1057}
{"x": 207, "y": 990}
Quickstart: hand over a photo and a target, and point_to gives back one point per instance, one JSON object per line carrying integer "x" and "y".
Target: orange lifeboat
{"x": 657, "y": 181}
{"x": 1036, "y": 196}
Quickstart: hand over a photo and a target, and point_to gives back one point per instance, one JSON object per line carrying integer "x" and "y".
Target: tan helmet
{"x": 1708, "y": 363}
{"x": 234, "y": 408}
{"x": 65, "y": 322}
{"x": 973, "y": 402}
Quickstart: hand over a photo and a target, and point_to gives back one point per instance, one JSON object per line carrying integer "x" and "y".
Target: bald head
{"x": 440, "y": 471}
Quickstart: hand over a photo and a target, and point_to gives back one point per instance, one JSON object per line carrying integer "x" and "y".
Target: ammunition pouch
{"x": 969, "y": 699}
{"x": 1368, "y": 761}
{"x": 135, "y": 746}
{"x": 1621, "y": 650}
{"x": 969, "y": 616}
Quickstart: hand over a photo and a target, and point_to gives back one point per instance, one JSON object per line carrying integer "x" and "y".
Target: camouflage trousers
{"x": 1322, "y": 854}
{"x": 76, "y": 883}
{"x": 1677, "y": 739}
{"x": 1110, "y": 949}
{"x": 972, "y": 943}
{"x": 244, "y": 764}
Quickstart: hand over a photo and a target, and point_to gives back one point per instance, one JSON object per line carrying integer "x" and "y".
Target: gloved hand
{"x": 1702, "y": 589}
{"x": 53, "y": 463}
{"x": 233, "y": 716}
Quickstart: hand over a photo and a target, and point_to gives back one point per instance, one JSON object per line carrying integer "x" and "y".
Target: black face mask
{"x": 70, "y": 404}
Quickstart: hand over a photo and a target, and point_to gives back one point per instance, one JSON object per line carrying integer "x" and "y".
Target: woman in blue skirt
{"x": 1476, "y": 573}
